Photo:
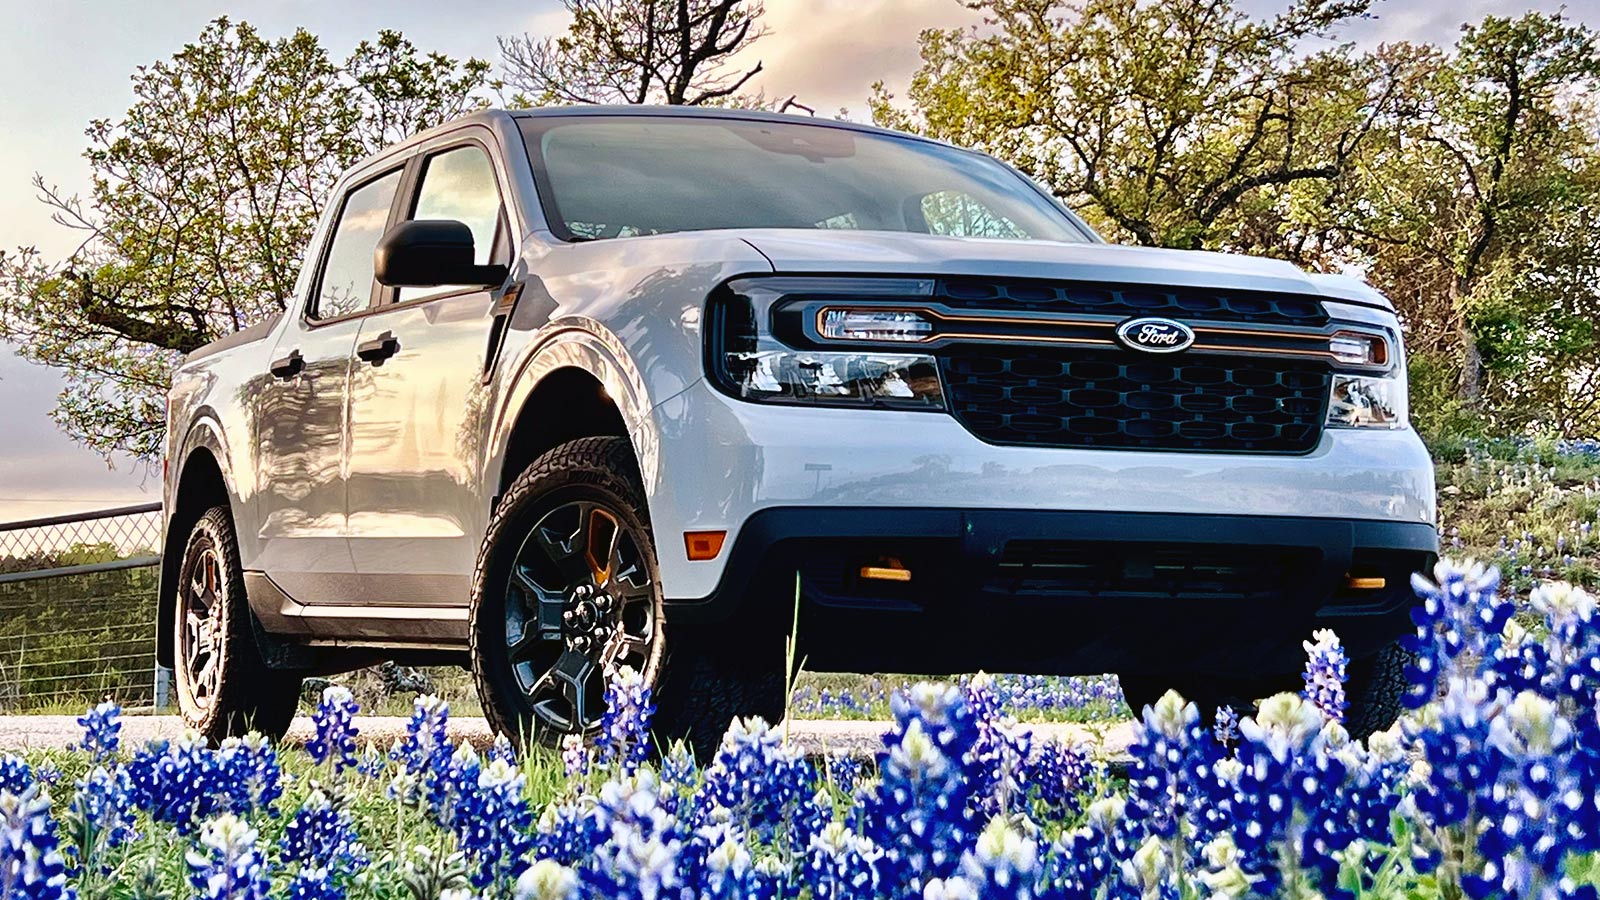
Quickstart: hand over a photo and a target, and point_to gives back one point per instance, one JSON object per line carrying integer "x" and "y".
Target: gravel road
{"x": 831, "y": 736}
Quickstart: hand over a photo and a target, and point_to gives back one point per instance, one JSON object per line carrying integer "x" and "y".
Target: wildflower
{"x": 248, "y": 774}
{"x": 728, "y": 868}
{"x": 1325, "y": 674}
{"x": 547, "y": 880}
{"x": 624, "y": 739}
{"x": 574, "y": 756}
{"x": 1223, "y": 875}
{"x": 1001, "y": 752}
{"x": 763, "y": 784}
{"x": 15, "y": 775}
{"x": 1562, "y": 605}
{"x": 321, "y": 835}
{"x": 424, "y": 745}
{"x": 102, "y": 730}
{"x": 1061, "y": 772}
{"x": 638, "y": 857}
{"x": 322, "y": 839}
{"x": 31, "y": 867}
{"x": 494, "y": 826}
{"x": 922, "y": 811}
{"x": 502, "y": 750}
{"x": 841, "y": 864}
{"x": 100, "y": 817}
{"x": 1226, "y": 729}
{"x": 227, "y": 864}
{"x": 334, "y": 719}
{"x": 1005, "y": 862}
{"x": 177, "y": 782}
{"x": 1461, "y": 611}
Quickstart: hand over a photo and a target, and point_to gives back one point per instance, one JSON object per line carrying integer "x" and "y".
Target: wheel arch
{"x": 578, "y": 383}
{"x": 202, "y": 482}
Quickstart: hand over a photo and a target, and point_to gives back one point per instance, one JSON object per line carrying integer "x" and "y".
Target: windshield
{"x": 619, "y": 176}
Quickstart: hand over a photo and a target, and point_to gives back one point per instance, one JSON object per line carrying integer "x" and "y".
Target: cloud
{"x": 829, "y": 52}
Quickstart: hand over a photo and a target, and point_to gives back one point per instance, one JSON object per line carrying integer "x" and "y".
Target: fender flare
{"x": 577, "y": 342}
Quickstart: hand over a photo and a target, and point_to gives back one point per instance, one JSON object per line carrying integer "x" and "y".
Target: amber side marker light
{"x": 1365, "y": 584}
{"x": 886, "y": 570}
{"x": 703, "y": 545}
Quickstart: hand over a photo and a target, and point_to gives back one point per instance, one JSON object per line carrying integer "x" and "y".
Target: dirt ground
{"x": 816, "y": 736}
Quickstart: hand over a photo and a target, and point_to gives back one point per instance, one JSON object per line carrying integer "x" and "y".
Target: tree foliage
{"x": 201, "y": 200}
{"x": 1476, "y": 212}
{"x": 1461, "y": 180}
{"x": 1163, "y": 122}
{"x": 636, "y": 51}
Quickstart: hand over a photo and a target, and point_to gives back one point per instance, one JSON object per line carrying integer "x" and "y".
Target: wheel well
{"x": 567, "y": 404}
{"x": 200, "y": 487}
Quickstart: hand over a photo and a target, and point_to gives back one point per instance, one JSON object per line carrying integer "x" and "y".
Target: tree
{"x": 201, "y": 200}
{"x": 1169, "y": 123}
{"x": 636, "y": 51}
{"x": 1476, "y": 211}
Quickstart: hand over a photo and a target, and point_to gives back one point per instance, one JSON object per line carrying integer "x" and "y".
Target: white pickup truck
{"x": 569, "y": 390}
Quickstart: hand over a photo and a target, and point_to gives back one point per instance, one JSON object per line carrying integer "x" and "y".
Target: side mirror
{"x": 431, "y": 252}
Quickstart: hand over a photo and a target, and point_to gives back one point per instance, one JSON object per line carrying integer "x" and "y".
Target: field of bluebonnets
{"x": 1489, "y": 786}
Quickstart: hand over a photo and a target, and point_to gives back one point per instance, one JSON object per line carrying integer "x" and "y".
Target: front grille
{"x": 1126, "y": 301}
{"x": 1093, "y": 570}
{"x": 1119, "y": 399}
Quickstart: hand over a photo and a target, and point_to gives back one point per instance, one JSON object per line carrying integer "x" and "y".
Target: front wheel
{"x": 1374, "y": 687}
{"x": 224, "y": 687}
{"x": 567, "y": 593}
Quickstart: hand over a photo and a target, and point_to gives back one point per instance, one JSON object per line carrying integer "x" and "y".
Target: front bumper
{"x": 713, "y": 463}
{"x": 1068, "y": 592}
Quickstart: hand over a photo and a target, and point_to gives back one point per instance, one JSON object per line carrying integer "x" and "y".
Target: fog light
{"x": 875, "y": 325}
{"x": 890, "y": 569}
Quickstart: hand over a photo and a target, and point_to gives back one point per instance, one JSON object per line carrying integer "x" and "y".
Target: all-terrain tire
{"x": 1374, "y": 690}
{"x": 246, "y": 695}
{"x": 701, "y": 683}
{"x": 1207, "y": 692}
{"x": 707, "y": 684}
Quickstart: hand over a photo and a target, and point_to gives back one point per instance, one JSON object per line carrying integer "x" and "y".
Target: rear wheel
{"x": 568, "y": 592}
{"x": 224, "y": 686}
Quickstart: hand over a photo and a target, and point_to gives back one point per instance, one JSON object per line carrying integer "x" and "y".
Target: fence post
{"x": 163, "y": 687}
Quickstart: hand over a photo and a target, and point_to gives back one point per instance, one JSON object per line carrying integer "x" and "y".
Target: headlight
{"x": 1367, "y": 401}
{"x": 837, "y": 378}
{"x": 747, "y": 359}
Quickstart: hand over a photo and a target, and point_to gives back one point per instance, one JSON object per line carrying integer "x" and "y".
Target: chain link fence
{"x": 78, "y": 610}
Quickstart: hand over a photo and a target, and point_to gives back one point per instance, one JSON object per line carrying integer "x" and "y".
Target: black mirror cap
{"x": 431, "y": 252}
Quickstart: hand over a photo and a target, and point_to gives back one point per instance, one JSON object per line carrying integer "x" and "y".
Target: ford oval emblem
{"x": 1155, "y": 335}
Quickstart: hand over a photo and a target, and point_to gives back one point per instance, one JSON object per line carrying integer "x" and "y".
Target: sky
{"x": 65, "y": 62}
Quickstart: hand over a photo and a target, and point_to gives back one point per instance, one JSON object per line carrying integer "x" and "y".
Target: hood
{"x": 900, "y": 253}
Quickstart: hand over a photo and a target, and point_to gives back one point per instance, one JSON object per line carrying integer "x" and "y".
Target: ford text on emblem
{"x": 1153, "y": 335}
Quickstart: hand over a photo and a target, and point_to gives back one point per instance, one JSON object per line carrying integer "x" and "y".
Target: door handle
{"x": 287, "y": 367}
{"x": 379, "y": 348}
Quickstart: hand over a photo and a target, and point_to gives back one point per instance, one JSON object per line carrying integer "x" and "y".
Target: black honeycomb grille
{"x": 1080, "y": 298}
{"x": 1116, "y": 399}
